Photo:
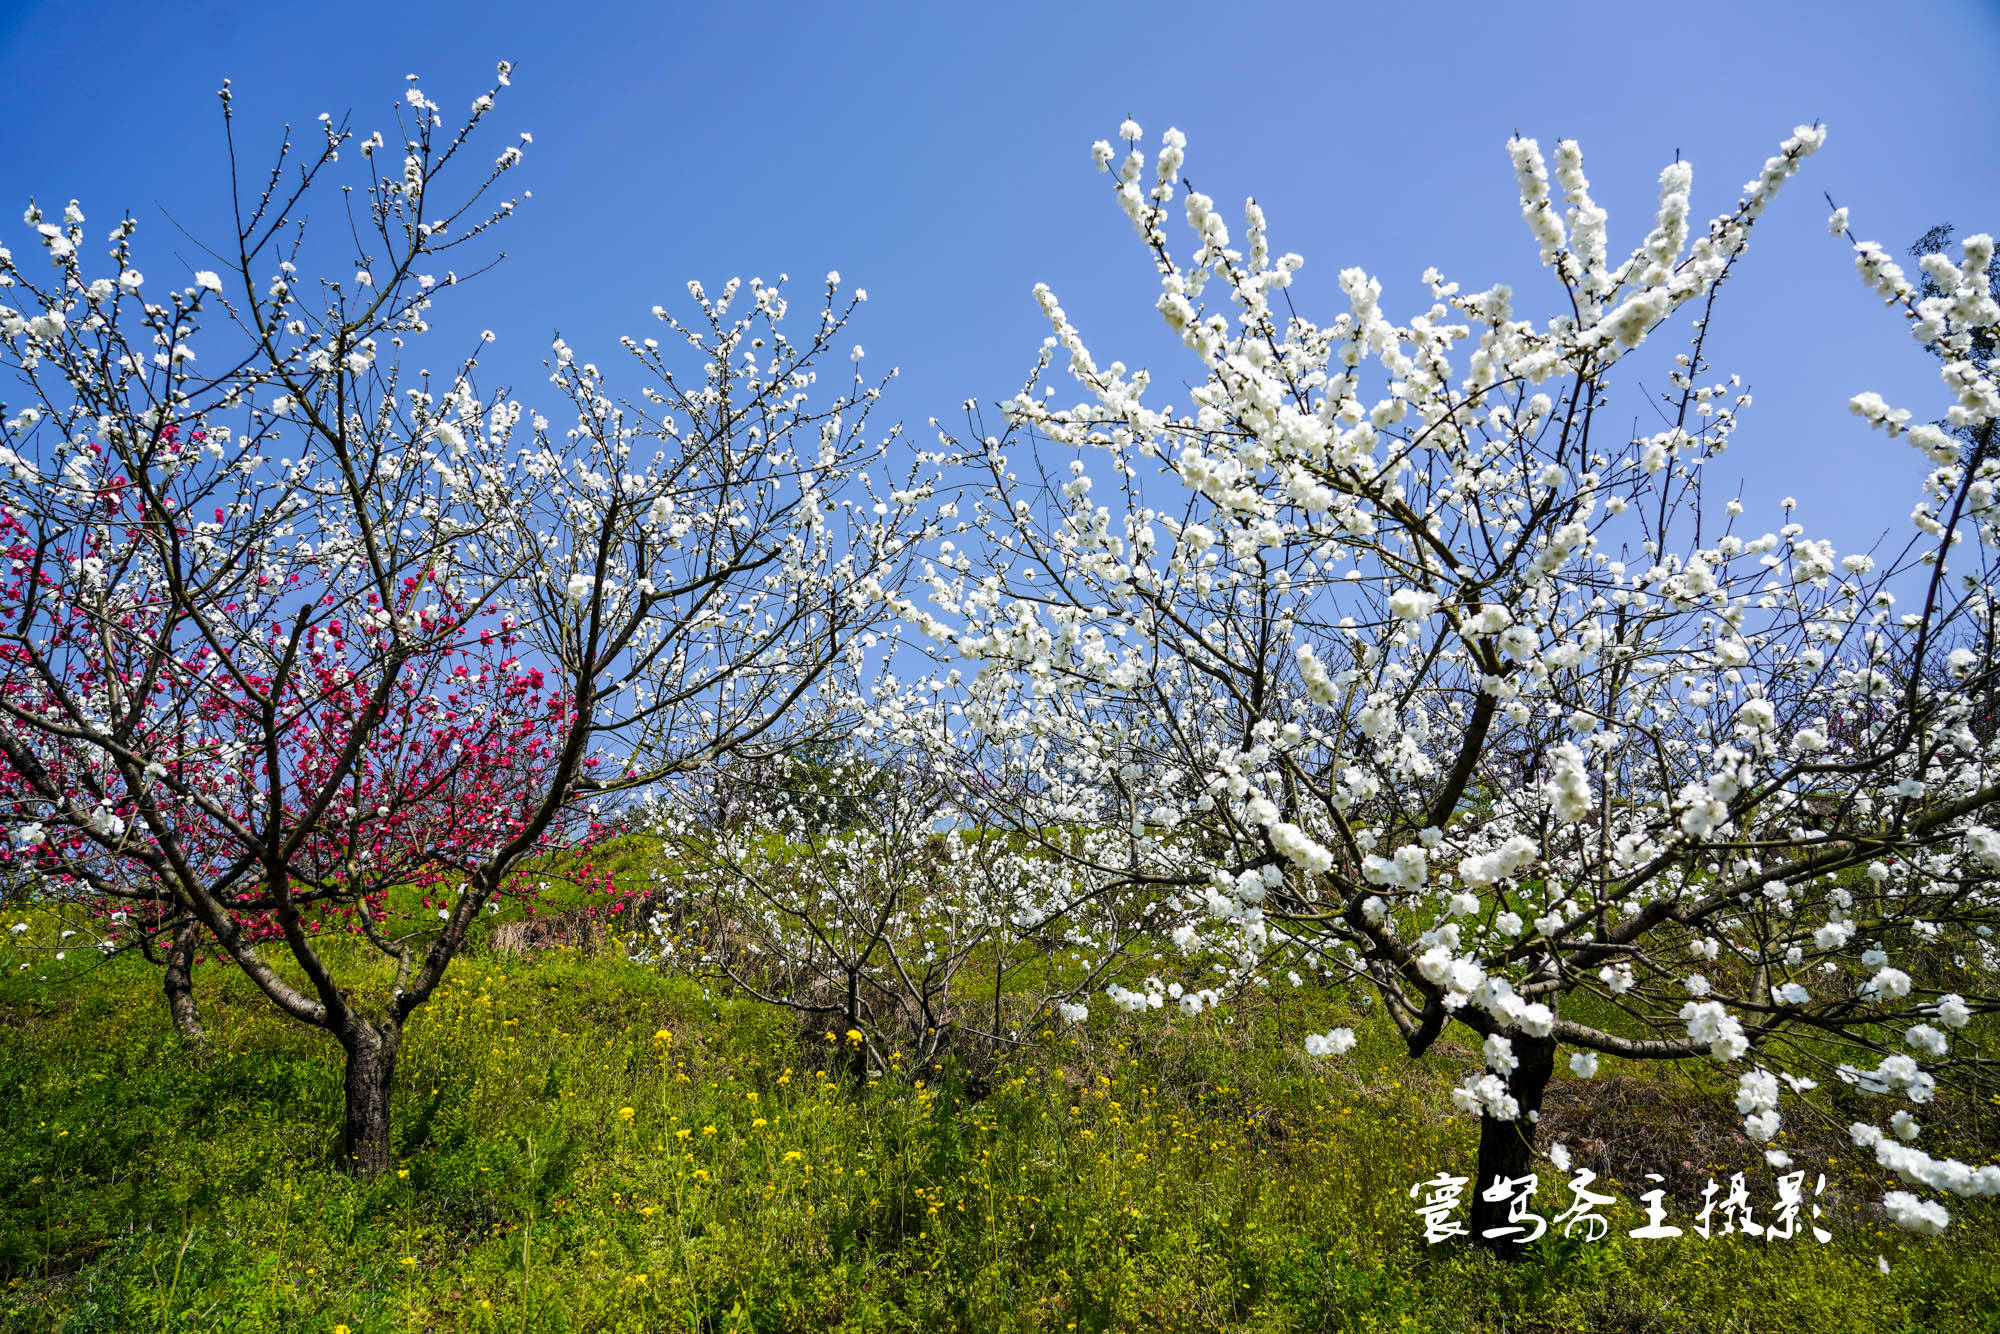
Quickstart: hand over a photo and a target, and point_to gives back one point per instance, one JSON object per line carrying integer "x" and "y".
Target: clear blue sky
{"x": 938, "y": 156}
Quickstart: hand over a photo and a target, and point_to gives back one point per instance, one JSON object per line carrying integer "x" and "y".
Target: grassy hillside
{"x": 586, "y": 1144}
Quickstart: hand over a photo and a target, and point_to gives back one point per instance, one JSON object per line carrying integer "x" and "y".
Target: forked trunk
{"x": 371, "y": 1070}
{"x": 1507, "y": 1148}
{"x": 179, "y": 986}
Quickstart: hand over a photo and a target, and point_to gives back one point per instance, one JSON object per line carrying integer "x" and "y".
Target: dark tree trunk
{"x": 854, "y": 1055}
{"x": 179, "y": 986}
{"x": 1507, "y": 1148}
{"x": 371, "y": 1070}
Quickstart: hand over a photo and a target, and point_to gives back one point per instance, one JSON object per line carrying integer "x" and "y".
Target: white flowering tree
{"x": 285, "y": 634}
{"x": 874, "y": 895}
{"x": 1391, "y": 653}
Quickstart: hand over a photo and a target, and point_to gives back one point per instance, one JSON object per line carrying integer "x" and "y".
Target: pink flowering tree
{"x": 312, "y": 627}
{"x": 427, "y": 779}
{"x": 1389, "y": 653}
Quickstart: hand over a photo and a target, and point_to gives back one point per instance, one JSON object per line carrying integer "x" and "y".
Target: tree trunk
{"x": 1506, "y": 1148}
{"x": 179, "y": 987}
{"x": 371, "y": 1070}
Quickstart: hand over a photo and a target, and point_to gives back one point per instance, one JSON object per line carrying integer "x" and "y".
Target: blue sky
{"x": 938, "y": 156}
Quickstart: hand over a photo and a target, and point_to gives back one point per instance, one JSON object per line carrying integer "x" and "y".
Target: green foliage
{"x": 594, "y": 1145}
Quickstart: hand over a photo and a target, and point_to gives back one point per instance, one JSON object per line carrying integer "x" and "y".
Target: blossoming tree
{"x": 226, "y": 674}
{"x": 912, "y": 928}
{"x": 427, "y": 778}
{"x": 1392, "y": 654}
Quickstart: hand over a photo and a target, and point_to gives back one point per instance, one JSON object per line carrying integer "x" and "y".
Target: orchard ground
{"x": 588, "y": 1143}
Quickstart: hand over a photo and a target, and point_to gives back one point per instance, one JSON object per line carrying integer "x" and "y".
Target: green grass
{"x": 569, "y": 1167}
